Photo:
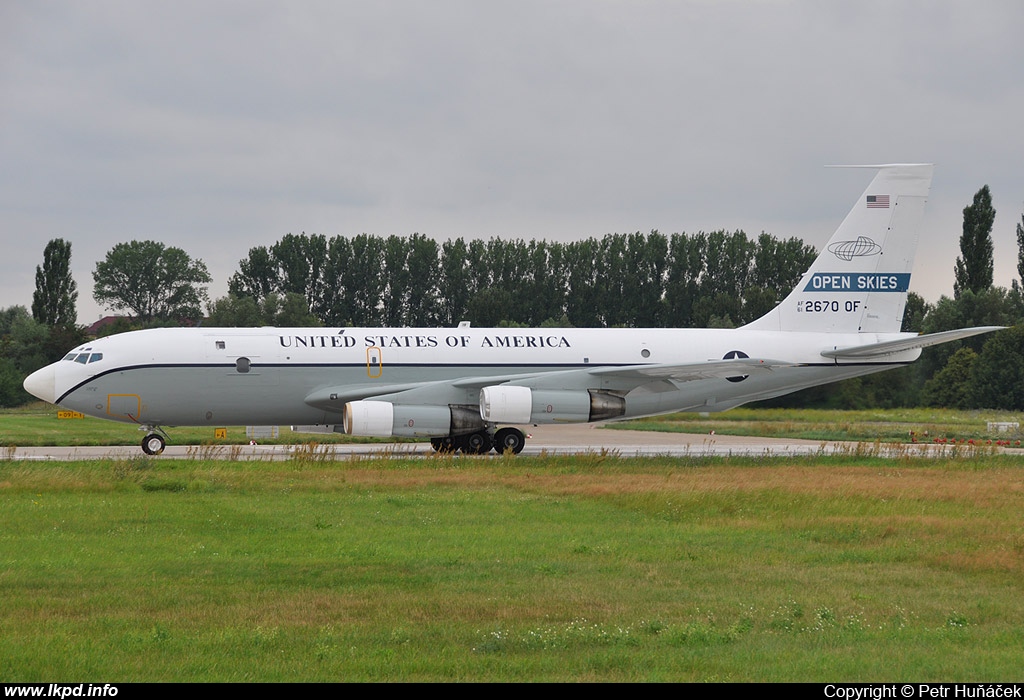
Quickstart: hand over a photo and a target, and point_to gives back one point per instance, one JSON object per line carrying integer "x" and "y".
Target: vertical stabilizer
{"x": 860, "y": 279}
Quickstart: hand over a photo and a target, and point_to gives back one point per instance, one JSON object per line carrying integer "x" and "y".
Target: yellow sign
{"x": 70, "y": 414}
{"x": 220, "y": 433}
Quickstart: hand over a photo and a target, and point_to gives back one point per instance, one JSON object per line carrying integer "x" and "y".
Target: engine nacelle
{"x": 520, "y": 404}
{"x": 385, "y": 419}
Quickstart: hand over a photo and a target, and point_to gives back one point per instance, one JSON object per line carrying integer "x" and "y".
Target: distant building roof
{"x": 95, "y": 328}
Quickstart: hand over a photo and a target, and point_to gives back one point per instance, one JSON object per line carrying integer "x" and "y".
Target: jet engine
{"x": 385, "y": 419}
{"x": 521, "y": 404}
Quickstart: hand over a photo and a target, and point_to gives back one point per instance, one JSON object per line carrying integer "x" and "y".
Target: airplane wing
{"x": 626, "y": 376}
{"x": 334, "y": 397}
{"x": 894, "y": 346}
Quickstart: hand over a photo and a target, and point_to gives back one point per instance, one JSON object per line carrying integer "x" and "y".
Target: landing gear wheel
{"x": 153, "y": 444}
{"x": 509, "y": 439}
{"x": 442, "y": 444}
{"x": 476, "y": 443}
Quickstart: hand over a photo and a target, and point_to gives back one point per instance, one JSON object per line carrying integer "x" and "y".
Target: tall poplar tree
{"x": 1020, "y": 249}
{"x": 974, "y": 269}
{"x": 53, "y": 302}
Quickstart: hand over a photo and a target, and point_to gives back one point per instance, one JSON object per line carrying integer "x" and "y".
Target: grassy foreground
{"x": 588, "y": 568}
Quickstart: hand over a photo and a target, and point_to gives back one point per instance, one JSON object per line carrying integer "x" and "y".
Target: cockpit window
{"x": 83, "y": 357}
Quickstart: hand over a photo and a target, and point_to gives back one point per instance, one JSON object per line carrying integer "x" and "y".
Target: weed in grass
{"x": 576, "y": 634}
{"x": 310, "y": 453}
{"x": 265, "y": 636}
{"x": 170, "y": 485}
{"x": 956, "y": 620}
{"x": 652, "y": 627}
{"x": 209, "y": 451}
{"x": 787, "y": 617}
{"x": 899, "y": 618}
{"x": 699, "y": 633}
{"x": 744, "y": 624}
{"x": 324, "y": 644}
{"x": 823, "y": 617}
{"x": 130, "y": 468}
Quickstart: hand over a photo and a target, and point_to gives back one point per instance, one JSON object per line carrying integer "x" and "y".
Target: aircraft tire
{"x": 509, "y": 439}
{"x": 153, "y": 444}
{"x": 478, "y": 443}
{"x": 442, "y": 444}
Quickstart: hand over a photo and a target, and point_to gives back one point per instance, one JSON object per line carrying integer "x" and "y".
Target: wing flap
{"x": 691, "y": 371}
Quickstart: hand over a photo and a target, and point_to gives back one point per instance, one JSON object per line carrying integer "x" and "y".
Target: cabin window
{"x": 220, "y": 344}
{"x": 242, "y": 365}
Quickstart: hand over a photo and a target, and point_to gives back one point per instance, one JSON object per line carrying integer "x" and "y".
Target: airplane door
{"x": 374, "y": 363}
{"x": 243, "y": 360}
{"x": 243, "y": 379}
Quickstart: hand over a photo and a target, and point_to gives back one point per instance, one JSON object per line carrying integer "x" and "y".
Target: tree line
{"x": 634, "y": 280}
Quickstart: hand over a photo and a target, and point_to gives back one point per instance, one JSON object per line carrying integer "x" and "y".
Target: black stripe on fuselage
{"x": 327, "y": 365}
{"x": 340, "y": 365}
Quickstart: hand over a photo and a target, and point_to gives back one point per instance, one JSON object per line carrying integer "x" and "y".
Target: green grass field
{"x": 589, "y": 568}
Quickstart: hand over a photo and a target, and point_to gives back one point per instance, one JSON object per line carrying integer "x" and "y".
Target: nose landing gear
{"x": 154, "y": 443}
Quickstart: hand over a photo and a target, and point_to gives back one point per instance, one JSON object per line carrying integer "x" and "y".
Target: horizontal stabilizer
{"x": 895, "y": 346}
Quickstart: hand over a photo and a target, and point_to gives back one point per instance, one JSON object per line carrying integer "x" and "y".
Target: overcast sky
{"x": 219, "y": 126}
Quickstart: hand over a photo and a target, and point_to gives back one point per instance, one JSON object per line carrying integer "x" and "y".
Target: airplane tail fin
{"x": 859, "y": 282}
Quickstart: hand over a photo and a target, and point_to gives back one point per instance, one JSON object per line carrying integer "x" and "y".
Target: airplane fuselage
{"x": 275, "y": 376}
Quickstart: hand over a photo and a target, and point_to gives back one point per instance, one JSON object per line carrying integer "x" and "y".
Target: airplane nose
{"x": 41, "y": 384}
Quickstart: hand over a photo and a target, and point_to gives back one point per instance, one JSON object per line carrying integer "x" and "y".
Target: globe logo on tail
{"x": 860, "y": 248}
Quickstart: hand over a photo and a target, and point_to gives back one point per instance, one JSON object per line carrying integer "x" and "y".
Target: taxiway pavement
{"x": 567, "y": 439}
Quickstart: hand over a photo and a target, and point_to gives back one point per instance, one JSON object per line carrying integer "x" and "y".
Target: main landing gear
{"x": 509, "y": 439}
{"x": 481, "y": 442}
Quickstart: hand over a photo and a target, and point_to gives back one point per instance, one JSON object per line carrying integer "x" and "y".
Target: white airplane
{"x": 467, "y": 388}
